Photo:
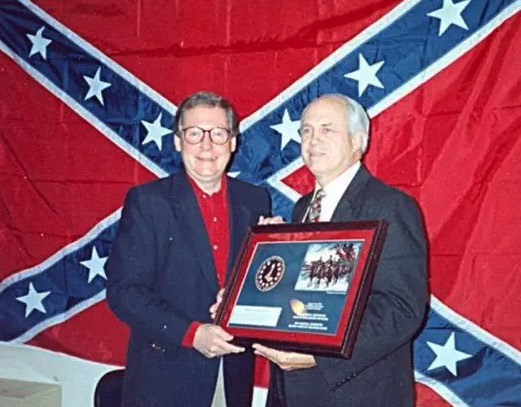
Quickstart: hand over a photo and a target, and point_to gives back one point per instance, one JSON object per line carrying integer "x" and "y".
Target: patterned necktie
{"x": 315, "y": 206}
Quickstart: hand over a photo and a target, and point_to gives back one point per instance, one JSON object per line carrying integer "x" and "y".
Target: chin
{"x": 317, "y": 165}
{"x": 207, "y": 176}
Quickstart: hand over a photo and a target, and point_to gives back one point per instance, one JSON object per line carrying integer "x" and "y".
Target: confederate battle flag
{"x": 88, "y": 93}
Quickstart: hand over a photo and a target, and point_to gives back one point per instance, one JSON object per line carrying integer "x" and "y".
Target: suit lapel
{"x": 350, "y": 205}
{"x": 301, "y": 208}
{"x": 184, "y": 203}
{"x": 239, "y": 222}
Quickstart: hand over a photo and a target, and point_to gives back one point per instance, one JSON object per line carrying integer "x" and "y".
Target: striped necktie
{"x": 316, "y": 206}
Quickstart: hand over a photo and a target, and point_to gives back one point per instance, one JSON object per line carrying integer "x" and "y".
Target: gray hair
{"x": 357, "y": 118}
{"x": 206, "y": 99}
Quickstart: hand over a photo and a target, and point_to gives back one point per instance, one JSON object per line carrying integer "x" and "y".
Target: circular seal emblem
{"x": 270, "y": 273}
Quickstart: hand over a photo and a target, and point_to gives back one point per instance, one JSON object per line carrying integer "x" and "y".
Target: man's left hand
{"x": 285, "y": 360}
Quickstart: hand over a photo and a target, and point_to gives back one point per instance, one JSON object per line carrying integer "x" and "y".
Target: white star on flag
{"x": 155, "y": 131}
{"x": 39, "y": 43}
{"x": 234, "y": 174}
{"x": 447, "y": 355}
{"x": 96, "y": 265}
{"x": 366, "y": 74}
{"x": 450, "y": 14}
{"x": 96, "y": 86}
{"x": 288, "y": 129}
{"x": 33, "y": 300}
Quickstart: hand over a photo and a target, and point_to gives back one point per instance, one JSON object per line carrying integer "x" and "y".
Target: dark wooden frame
{"x": 367, "y": 236}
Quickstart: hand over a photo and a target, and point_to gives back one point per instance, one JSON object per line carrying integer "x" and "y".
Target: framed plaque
{"x": 302, "y": 287}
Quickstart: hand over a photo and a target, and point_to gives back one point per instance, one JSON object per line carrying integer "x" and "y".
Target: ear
{"x": 177, "y": 143}
{"x": 358, "y": 141}
{"x": 233, "y": 143}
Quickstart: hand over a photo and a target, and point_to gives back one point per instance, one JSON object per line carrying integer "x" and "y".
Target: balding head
{"x": 357, "y": 118}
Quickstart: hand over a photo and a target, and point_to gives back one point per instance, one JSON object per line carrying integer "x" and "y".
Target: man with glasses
{"x": 335, "y": 131}
{"x": 176, "y": 243}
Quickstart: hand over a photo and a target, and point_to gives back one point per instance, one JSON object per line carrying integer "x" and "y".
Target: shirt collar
{"x": 336, "y": 188}
{"x": 202, "y": 194}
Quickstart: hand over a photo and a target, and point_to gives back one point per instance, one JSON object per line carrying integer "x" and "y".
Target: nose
{"x": 206, "y": 143}
{"x": 315, "y": 138}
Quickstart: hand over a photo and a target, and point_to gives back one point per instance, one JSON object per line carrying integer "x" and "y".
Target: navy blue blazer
{"x": 161, "y": 278}
{"x": 380, "y": 371}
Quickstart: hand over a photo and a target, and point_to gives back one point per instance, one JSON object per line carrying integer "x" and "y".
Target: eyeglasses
{"x": 306, "y": 132}
{"x": 195, "y": 134}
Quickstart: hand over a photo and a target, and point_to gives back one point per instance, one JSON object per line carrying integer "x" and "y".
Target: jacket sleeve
{"x": 398, "y": 299}
{"x": 131, "y": 270}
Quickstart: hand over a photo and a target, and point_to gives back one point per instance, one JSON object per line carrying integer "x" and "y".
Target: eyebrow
{"x": 321, "y": 125}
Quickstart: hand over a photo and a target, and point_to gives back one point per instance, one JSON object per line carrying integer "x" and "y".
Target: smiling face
{"x": 328, "y": 149}
{"x": 205, "y": 162}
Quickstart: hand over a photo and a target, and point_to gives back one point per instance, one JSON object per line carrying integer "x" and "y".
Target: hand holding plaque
{"x": 285, "y": 360}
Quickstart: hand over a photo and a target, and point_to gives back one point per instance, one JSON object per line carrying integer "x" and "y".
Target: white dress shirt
{"x": 334, "y": 191}
{"x": 219, "y": 397}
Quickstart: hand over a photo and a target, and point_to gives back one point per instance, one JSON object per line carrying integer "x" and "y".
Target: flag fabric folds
{"x": 89, "y": 91}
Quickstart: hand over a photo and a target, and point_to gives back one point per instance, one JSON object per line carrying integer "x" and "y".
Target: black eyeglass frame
{"x": 210, "y": 132}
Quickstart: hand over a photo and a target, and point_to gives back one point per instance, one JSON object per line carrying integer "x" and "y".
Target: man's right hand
{"x": 213, "y": 341}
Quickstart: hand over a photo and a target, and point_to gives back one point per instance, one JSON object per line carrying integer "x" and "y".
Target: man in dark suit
{"x": 176, "y": 243}
{"x": 334, "y": 131}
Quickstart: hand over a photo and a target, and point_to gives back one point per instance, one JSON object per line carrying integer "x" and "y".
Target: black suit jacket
{"x": 380, "y": 371}
{"x": 161, "y": 278}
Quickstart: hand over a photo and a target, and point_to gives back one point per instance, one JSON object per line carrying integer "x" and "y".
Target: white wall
{"x": 77, "y": 377}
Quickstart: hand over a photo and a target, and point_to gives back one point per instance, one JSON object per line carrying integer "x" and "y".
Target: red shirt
{"x": 214, "y": 211}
